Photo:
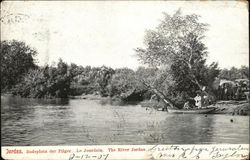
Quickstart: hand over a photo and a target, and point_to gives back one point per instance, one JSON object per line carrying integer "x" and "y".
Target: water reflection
{"x": 83, "y": 122}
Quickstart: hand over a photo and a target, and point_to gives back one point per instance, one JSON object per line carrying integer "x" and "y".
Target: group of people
{"x": 227, "y": 92}
{"x": 224, "y": 92}
{"x": 200, "y": 101}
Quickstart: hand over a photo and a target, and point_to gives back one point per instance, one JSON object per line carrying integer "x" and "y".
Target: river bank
{"x": 102, "y": 100}
{"x": 222, "y": 107}
{"x": 88, "y": 96}
{"x": 232, "y": 107}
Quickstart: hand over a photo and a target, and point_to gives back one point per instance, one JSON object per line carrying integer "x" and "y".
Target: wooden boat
{"x": 192, "y": 111}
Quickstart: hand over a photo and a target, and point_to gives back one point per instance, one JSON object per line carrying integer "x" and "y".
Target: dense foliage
{"x": 176, "y": 47}
{"x": 17, "y": 59}
{"x": 92, "y": 80}
{"x": 124, "y": 84}
{"x": 235, "y": 73}
{"x": 47, "y": 82}
{"x": 174, "y": 52}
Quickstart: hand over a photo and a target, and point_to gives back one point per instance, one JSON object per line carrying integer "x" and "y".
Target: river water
{"x": 37, "y": 122}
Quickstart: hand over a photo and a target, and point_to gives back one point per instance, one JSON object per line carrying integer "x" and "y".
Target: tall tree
{"x": 17, "y": 59}
{"x": 176, "y": 45}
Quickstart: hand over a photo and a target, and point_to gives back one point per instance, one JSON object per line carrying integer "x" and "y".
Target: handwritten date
{"x": 74, "y": 156}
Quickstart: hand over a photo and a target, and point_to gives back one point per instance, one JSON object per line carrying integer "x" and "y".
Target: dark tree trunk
{"x": 167, "y": 101}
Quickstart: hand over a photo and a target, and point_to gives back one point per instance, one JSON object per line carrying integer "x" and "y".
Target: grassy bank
{"x": 232, "y": 107}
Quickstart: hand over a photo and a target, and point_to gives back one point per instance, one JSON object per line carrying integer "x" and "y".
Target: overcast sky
{"x": 106, "y": 32}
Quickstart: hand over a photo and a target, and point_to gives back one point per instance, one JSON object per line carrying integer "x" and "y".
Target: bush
{"x": 45, "y": 82}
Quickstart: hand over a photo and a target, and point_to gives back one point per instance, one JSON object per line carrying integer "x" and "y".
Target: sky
{"x": 100, "y": 33}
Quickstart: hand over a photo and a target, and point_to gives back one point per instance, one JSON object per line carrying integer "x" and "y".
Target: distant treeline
{"x": 21, "y": 76}
{"x": 234, "y": 73}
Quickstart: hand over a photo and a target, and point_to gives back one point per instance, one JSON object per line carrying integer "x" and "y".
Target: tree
{"x": 124, "y": 85}
{"x": 17, "y": 59}
{"x": 47, "y": 82}
{"x": 103, "y": 78}
{"x": 244, "y": 70}
{"x": 176, "y": 46}
{"x": 235, "y": 73}
{"x": 91, "y": 80}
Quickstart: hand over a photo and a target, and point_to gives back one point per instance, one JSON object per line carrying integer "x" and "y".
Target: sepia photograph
{"x": 80, "y": 73}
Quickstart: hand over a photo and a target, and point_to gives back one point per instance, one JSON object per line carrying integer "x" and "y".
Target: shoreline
{"x": 230, "y": 107}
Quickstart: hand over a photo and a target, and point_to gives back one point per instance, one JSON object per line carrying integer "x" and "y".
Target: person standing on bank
{"x": 198, "y": 100}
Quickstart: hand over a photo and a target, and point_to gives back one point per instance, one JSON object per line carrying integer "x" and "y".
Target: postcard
{"x": 110, "y": 80}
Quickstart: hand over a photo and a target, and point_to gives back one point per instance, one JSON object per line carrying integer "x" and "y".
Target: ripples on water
{"x": 81, "y": 122}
